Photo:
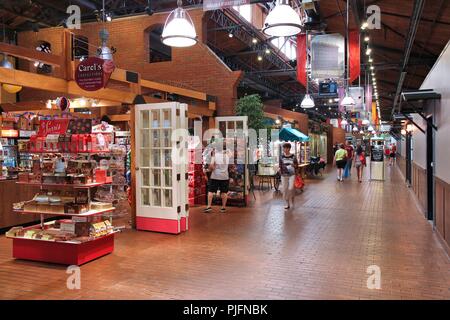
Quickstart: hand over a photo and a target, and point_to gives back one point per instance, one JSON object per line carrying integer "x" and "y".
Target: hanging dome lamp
{"x": 179, "y": 30}
{"x": 10, "y": 88}
{"x": 307, "y": 102}
{"x": 282, "y": 21}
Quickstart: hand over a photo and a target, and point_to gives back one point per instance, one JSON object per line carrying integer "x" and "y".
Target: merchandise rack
{"x": 63, "y": 252}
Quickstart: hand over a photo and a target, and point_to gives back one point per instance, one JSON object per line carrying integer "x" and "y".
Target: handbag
{"x": 298, "y": 182}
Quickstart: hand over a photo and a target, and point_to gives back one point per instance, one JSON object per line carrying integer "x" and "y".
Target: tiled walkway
{"x": 320, "y": 249}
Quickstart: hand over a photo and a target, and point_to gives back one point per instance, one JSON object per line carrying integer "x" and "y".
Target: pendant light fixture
{"x": 179, "y": 29}
{"x": 10, "y": 88}
{"x": 348, "y": 101}
{"x": 370, "y": 128}
{"x": 355, "y": 128}
{"x": 365, "y": 122}
{"x": 105, "y": 52}
{"x": 282, "y": 21}
{"x": 307, "y": 102}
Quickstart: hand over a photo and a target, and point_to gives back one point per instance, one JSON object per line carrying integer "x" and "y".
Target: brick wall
{"x": 196, "y": 67}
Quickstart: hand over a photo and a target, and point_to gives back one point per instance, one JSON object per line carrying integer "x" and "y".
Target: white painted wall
{"x": 439, "y": 80}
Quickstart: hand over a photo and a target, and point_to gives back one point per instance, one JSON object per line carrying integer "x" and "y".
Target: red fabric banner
{"x": 354, "y": 55}
{"x": 301, "y": 59}
{"x": 58, "y": 126}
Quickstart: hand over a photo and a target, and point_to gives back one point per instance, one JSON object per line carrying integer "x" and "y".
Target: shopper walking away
{"x": 288, "y": 167}
{"x": 387, "y": 154}
{"x": 360, "y": 162}
{"x": 392, "y": 154}
{"x": 340, "y": 159}
{"x": 220, "y": 179}
{"x": 350, "y": 151}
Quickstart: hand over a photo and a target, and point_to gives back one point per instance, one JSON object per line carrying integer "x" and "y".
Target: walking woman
{"x": 288, "y": 167}
{"x": 360, "y": 162}
{"x": 340, "y": 159}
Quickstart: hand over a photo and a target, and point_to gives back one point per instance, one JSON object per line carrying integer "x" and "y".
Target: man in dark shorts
{"x": 219, "y": 180}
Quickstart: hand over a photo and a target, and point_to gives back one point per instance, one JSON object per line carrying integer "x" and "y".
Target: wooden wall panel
{"x": 419, "y": 186}
{"x": 11, "y": 193}
{"x": 447, "y": 216}
{"x": 440, "y": 207}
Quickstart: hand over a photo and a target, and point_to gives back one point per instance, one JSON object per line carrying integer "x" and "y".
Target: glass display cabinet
{"x": 161, "y": 171}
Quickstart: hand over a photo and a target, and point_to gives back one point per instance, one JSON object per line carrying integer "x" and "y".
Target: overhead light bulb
{"x": 254, "y": 40}
{"x": 372, "y": 67}
{"x": 48, "y": 104}
{"x": 366, "y": 38}
{"x": 179, "y": 30}
{"x": 364, "y": 25}
{"x": 82, "y": 102}
{"x": 361, "y": 132}
{"x": 368, "y": 51}
{"x": 267, "y": 51}
{"x": 282, "y": 21}
{"x": 330, "y": 100}
{"x": 260, "y": 58}
{"x": 355, "y": 129}
{"x": 374, "y": 132}
{"x": 365, "y": 122}
{"x": 36, "y": 64}
{"x": 370, "y": 60}
{"x": 344, "y": 122}
{"x": 230, "y": 35}
{"x": 307, "y": 102}
{"x": 370, "y": 128}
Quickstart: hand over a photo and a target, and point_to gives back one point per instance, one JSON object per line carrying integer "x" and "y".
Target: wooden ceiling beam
{"x": 31, "y": 54}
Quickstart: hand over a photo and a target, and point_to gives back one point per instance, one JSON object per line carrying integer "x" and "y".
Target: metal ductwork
{"x": 87, "y": 4}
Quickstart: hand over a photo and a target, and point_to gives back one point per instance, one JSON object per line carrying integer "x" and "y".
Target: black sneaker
{"x": 207, "y": 210}
{"x": 223, "y": 210}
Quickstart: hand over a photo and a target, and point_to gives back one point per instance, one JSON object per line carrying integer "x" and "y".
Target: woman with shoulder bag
{"x": 288, "y": 167}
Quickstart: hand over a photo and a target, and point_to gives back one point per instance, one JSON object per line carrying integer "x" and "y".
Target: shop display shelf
{"x": 85, "y": 214}
{"x": 70, "y": 152}
{"x": 64, "y": 185}
{"x": 62, "y": 252}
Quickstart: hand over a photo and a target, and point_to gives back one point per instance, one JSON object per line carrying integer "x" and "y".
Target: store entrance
{"x": 408, "y": 159}
{"x": 430, "y": 169}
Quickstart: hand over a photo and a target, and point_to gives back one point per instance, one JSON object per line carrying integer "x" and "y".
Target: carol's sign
{"x": 93, "y": 73}
{"x": 58, "y": 126}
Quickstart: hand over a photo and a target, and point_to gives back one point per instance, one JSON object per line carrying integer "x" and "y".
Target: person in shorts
{"x": 219, "y": 179}
{"x": 340, "y": 159}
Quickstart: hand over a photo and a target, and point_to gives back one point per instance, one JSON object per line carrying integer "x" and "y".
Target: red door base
{"x": 62, "y": 253}
{"x": 158, "y": 225}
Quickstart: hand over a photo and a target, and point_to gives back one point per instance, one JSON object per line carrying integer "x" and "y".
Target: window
{"x": 245, "y": 11}
{"x": 80, "y": 47}
{"x": 158, "y": 51}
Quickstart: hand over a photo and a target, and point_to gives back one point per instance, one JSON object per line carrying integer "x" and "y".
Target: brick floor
{"x": 318, "y": 250}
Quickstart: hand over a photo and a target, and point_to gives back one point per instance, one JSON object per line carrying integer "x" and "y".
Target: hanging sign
{"x": 354, "y": 55}
{"x": 56, "y": 126}
{"x": 220, "y": 4}
{"x": 93, "y": 73}
{"x": 301, "y": 59}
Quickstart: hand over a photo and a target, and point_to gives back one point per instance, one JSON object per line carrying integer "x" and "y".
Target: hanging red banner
{"x": 301, "y": 59}
{"x": 57, "y": 126}
{"x": 354, "y": 55}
